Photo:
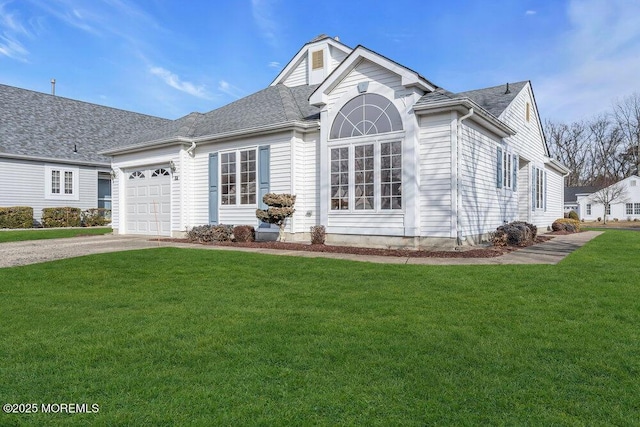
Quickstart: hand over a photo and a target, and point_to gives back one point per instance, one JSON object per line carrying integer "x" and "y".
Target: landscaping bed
{"x": 465, "y": 252}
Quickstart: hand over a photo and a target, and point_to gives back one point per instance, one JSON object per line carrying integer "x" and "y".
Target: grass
{"x": 191, "y": 337}
{"x": 57, "y": 233}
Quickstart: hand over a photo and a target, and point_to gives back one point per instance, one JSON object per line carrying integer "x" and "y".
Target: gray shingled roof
{"x": 273, "y": 105}
{"x": 571, "y": 193}
{"x": 41, "y": 125}
{"x": 493, "y": 99}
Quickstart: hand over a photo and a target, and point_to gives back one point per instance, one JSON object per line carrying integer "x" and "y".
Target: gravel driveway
{"x": 34, "y": 251}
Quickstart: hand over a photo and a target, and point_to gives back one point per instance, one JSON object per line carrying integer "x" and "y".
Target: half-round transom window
{"x": 366, "y": 114}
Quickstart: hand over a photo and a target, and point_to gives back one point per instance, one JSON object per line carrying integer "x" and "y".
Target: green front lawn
{"x": 57, "y": 233}
{"x": 185, "y": 336}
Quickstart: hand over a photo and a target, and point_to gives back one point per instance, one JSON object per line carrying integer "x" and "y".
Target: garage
{"x": 148, "y": 201}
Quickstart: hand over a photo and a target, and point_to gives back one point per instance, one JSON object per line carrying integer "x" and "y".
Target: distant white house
{"x": 373, "y": 150}
{"x": 627, "y": 207}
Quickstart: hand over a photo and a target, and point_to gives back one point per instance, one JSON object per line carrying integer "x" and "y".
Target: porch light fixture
{"x": 172, "y": 166}
{"x": 113, "y": 174}
{"x": 363, "y": 87}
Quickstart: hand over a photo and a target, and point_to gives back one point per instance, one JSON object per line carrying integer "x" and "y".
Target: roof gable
{"x": 409, "y": 78}
{"x": 303, "y": 54}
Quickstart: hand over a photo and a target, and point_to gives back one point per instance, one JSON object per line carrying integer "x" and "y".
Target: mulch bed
{"x": 482, "y": 252}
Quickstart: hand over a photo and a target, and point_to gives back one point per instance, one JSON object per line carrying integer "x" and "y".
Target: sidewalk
{"x": 35, "y": 251}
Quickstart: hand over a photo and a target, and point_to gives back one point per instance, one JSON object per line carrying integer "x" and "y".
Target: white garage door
{"x": 148, "y": 201}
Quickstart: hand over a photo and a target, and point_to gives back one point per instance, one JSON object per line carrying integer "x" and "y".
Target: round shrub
{"x": 574, "y": 215}
{"x": 517, "y": 233}
{"x": 244, "y": 233}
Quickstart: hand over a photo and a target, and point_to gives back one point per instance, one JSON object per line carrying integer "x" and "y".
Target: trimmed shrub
{"x": 574, "y": 215}
{"x": 210, "y": 233}
{"x": 16, "y": 217}
{"x": 517, "y": 233}
{"x": 599, "y": 218}
{"x": 244, "y": 233}
{"x": 318, "y": 235}
{"x": 280, "y": 207}
{"x": 566, "y": 224}
{"x": 61, "y": 217}
{"x": 96, "y": 217}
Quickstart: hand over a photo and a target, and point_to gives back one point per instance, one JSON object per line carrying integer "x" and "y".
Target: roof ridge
{"x": 291, "y": 109}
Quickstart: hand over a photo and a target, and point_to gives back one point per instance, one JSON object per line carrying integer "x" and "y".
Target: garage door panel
{"x": 148, "y": 200}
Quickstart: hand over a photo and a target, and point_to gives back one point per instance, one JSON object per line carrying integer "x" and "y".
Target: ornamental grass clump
{"x": 318, "y": 235}
{"x": 280, "y": 207}
{"x": 566, "y": 224}
{"x": 244, "y": 233}
{"x": 517, "y": 233}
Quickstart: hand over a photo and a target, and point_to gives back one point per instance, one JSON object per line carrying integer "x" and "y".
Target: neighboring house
{"x": 571, "y": 195}
{"x": 626, "y": 207}
{"x": 374, "y": 151}
{"x": 49, "y": 149}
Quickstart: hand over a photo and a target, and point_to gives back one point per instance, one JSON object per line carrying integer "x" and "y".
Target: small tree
{"x": 609, "y": 195}
{"x": 280, "y": 207}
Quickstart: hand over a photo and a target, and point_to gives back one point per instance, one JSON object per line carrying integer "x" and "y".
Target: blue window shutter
{"x": 514, "y": 182}
{"x": 213, "y": 188}
{"x": 499, "y": 168}
{"x": 264, "y": 174}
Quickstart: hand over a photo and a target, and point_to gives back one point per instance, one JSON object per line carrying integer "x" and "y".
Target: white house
{"x": 626, "y": 207}
{"x": 373, "y": 150}
{"x": 49, "y": 149}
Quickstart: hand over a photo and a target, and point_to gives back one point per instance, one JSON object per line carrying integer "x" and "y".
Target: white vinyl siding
{"x": 23, "y": 183}
{"x": 435, "y": 175}
{"x": 299, "y": 76}
{"x": 280, "y": 178}
{"x": 484, "y": 207}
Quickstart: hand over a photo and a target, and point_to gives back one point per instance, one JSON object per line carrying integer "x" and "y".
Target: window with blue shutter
{"x": 515, "y": 172}
{"x": 263, "y": 188}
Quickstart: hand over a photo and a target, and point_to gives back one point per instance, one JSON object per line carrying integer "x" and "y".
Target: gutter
{"x": 499, "y": 127}
{"x": 256, "y": 131}
{"x": 106, "y": 165}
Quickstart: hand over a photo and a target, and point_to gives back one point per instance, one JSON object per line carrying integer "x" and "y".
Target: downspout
{"x": 460, "y": 239}
{"x": 190, "y": 149}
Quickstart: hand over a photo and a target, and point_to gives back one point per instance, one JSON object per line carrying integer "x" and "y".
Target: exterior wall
{"x": 152, "y": 157}
{"x": 529, "y": 144}
{"x": 435, "y": 169}
{"x": 22, "y": 183}
{"x": 484, "y": 206}
{"x": 299, "y": 75}
{"x": 292, "y": 167}
{"x": 618, "y": 210}
{"x": 389, "y": 223}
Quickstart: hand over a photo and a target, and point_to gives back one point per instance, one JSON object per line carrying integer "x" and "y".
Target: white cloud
{"x": 274, "y": 64}
{"x": 11, "y": 29}
{"x": 263, "y": 14}
{"x": 229, "y": 89}
{"x": 530, "y": 12}
{"x": 175, "y": 82}
{"x": 600, "y": 60}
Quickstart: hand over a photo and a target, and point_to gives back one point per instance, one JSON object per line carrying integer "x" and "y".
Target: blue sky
{"x": 169, "y": 58}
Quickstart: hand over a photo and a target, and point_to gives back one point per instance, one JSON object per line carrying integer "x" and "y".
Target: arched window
{"x": 366, "y": 114}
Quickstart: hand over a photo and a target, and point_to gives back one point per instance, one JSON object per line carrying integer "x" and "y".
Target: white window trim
{"x": 238, "y": 203}
{"x": 49, "y": 195}
{"x": 351, "y": 143}
{"x": 510, "y": 159}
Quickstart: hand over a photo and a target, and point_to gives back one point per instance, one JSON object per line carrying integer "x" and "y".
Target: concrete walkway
{"x": 35, "y": 251}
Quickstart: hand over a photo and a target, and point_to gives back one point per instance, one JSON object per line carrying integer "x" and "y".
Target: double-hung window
{"x": 629, "y": 208}
{"x": 367, "y": 176}
{"x": 507, "y": 169}
{"x": 61, "y": 183}
{"x": 588, "y": 208}
{"x": 238, "y": 177}
{"x": 539, "y": 188}
{"x": 636, "y": 208}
